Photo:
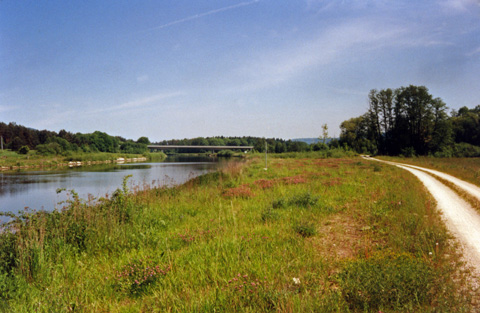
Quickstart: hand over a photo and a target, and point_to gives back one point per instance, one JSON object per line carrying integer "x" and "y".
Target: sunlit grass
{"x": 308, "y": 234}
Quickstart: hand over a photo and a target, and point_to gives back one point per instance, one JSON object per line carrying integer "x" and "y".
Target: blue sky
{"x": 267, "y": 68}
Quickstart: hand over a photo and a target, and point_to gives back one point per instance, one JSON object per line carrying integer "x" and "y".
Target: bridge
{"x": 211, "y": 148}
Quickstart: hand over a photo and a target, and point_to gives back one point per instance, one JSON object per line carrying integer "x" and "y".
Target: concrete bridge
{"x": 210, "y": 148}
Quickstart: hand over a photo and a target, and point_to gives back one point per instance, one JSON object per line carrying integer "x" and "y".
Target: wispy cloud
{"x": 142, "y": 78}
{"x": 139, "y": 103}
{"x": 53, "y": 118}
{"x": 459, "y": 5}
{"x": 5, "y": 108}
{"x": 341, "y": 41}
{"x": 200, "y": 15}
{"x": 474, "y": 52}
{"x": 320, "y": 6}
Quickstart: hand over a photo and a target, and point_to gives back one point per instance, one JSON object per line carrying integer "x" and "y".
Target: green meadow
{"x": 307, "y": 234}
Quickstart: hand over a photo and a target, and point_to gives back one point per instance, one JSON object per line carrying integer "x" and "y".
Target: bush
{"x": 386, "y": 281}
{"x": 8, "y": 252}
{"x": 24, "y": 150}
{"x": 52, "y": 148}
{"x": 305, "y": 229}
{"x": 269, "y": 215}
{"x": 304, "y": 200}
{"x": 138, "y": 274}
{"x": 466, "y": 150}
{"x": 279, "y": 203}
{"x": 225, "y": 153}
{"x": 408, "y": 152}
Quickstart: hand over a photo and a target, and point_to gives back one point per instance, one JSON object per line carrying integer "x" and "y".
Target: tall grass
{"x": 306, "y": 235}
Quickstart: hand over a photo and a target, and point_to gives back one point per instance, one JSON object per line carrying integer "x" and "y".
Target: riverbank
{"x": 11, "y": 161}
{"x": 307, "y": 234}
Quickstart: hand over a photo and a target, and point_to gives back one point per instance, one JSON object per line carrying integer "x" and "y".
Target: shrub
{"x": 225, "y": 153}
{"x": 386, "y": 281}
{"x": 23, "y": 150}
{"x": 304, "y": 200}
{"x": 269, "y": 215}
{"x": 466, "y": 150}
{"x": 138, "y": 274}
{"x": 279, "y": 203}
{"x": 305, "y": 229}
{"x": 8, "y": 252}
{"x": 408, "y": 152}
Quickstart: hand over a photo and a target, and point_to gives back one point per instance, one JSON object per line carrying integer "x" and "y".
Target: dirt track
{"x": 461, "y": 219}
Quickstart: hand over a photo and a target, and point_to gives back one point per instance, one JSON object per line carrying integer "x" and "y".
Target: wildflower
{"x": 296, "y": 281}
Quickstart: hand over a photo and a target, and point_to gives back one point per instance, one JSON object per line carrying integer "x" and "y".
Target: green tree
{"x": 466, "y": 125}
{"x": 381, "y": 117}
{"x": 143, "y": 140}
{"x": 23, "y": 150}
{"x": 17, "y": 143}
{"x": 414, "y": 117}
{"x": 324, "y": 133}
{"x": 215, "y": 141}
{"x": 354, "y": 134}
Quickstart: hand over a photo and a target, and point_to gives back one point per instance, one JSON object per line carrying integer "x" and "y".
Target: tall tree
{"x": 413, "y": 117}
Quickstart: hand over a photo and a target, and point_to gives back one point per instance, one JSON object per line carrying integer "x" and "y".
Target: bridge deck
{"x": 168, "y": 147}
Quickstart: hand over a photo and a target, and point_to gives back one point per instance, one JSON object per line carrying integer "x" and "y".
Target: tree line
{"x": 22, "y": 139}
{"x": 410, "y": 121}
{"x": 274, "y": 145}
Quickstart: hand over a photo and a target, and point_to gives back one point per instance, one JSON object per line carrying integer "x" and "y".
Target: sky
{"x": 174, "y": 69}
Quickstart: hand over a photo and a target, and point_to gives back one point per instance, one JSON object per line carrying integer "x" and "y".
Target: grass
{"x": 307, "y": 235}
{"x": 467, "y": 169}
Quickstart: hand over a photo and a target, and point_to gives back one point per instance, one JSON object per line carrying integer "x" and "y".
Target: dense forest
{"x": 410, "y": 121}
{"x": 22, "y": 139}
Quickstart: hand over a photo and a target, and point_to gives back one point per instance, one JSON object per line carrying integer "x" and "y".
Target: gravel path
{"x": 459, "y": 216}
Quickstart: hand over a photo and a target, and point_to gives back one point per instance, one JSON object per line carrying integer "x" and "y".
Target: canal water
{"x": 37, "y": 190}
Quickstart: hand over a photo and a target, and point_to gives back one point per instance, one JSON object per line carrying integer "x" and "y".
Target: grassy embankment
{"x": 13, "y": 160}
{"x": 308, "y": 234}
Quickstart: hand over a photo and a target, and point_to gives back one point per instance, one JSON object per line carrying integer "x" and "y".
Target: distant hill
{"x": 312, "y": 140}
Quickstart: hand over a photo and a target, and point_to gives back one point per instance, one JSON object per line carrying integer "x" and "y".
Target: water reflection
{"x": 37, "y": 189}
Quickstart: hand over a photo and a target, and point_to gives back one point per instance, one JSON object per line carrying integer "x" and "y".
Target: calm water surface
{"x": 37, "y": 189}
